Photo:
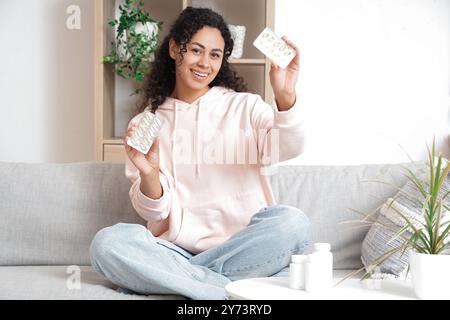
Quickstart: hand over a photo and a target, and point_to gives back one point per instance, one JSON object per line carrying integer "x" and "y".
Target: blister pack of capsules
{"x": 275, "y": 48}
{"x": 148, "y": 127}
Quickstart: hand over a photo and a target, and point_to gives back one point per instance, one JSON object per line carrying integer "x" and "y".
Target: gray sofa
{"x": 49, "y": 214}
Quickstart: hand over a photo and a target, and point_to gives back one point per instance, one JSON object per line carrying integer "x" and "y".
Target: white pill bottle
{"x": 319, "y": 268}
{"x": 297, "y": 272}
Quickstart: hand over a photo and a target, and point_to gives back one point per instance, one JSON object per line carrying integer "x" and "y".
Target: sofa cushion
{"x": 51, "y": 283}
{"x": 60, "y": 283}
{"x": 50, "y": 213}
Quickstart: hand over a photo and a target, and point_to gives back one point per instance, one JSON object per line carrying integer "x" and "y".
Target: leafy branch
{"x": 136, "y": 39}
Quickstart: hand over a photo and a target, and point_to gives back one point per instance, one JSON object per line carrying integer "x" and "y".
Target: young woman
{"x": 211, "y": 215}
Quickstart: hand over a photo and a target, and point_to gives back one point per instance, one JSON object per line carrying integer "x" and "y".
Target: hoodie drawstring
{"x": 197, "y": 144}
{"x": 174, "y": 134}
{"x": 198, "y": 131}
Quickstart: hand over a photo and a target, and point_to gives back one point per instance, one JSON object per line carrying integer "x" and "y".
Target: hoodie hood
{"x": 201, "y": 104}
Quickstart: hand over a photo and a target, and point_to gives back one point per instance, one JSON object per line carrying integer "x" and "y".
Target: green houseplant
{"x": 135, "y": 41}
{"x": 426, "y": 240}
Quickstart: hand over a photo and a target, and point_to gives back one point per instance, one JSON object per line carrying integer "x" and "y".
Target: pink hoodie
{"x": 213, "y": 153}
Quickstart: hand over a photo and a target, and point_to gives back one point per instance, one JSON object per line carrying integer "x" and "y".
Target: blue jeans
{"x": 132, "y": 258}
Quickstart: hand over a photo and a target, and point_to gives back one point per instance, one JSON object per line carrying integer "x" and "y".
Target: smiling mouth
{"x": 200, "y": 75}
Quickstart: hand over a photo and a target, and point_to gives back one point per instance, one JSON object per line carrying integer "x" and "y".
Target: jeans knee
{"x": 100, "y": 243}
{"x": 294, "y": 225}
{"x": 107, "y": 238}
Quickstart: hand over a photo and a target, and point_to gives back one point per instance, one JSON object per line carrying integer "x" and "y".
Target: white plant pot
{"x": 430, "y": 275}
{"x": 150, "y": 29}
{"x": 238, "y": 36}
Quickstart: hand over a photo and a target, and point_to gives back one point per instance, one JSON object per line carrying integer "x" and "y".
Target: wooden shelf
{"x": 113, "y": 141}
{"x": 114, "y": 153}
{"x": 247, "y": 61}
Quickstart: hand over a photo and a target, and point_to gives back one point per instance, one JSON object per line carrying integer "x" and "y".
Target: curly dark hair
{"x": 160, "y": 82}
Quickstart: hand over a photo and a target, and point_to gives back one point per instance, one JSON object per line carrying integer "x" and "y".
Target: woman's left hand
{"x": 283, "y": 81}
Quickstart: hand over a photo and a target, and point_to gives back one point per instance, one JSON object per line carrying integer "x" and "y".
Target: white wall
{"x": 374, "y": 75}
{"x": 46, "y": 82}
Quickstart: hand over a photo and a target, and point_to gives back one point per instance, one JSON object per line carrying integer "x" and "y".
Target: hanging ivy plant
{"x": 136, "y": 40}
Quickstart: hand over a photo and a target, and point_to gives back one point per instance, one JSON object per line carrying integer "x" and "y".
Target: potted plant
{"x": 430, "y": 239}
{"x": 136, "y": 40}
{"x": 425, "y": 238}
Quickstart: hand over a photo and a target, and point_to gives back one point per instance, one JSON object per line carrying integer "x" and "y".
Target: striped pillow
{"x": 379, "y": 239}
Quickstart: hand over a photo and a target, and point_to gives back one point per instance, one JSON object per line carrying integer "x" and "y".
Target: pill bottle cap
{"x": 322, "y": 246}
{"x": 298, "y": 258}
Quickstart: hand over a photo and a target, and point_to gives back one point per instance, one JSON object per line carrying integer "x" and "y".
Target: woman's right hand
{"x": 147, "y": 164}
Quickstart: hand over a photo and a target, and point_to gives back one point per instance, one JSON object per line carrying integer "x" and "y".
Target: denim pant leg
{"x": 132, "y": 258}
{"x": 263, "y": 248}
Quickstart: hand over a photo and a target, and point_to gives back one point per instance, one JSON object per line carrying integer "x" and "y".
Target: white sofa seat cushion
{"x": 50, "y": 283}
